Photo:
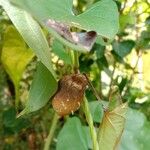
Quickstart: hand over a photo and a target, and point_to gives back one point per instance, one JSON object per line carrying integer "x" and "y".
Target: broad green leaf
{"x": 30, "y": 31}
{"x": 96, "y": 110}
{"x": 136, "y": 135}
{"x": 72, "y": 136}
{"x": 42, "y": 88}
{"x": 97, "y": 18}
{"x": 59, "y": 50}
{"x": 112, "y": 127}
{"x": 123, "y": 48}
{"x": 15, "y": 56}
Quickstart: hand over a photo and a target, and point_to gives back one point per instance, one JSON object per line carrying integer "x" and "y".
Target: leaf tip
{"x": 23, "y": 112}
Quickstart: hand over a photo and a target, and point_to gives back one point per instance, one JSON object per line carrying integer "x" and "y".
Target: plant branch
{"x": 51, "y": 132}
{"x": 90, "y": 122}
{"x": 124, "y": 6}
{"x": 111, "y": 82}
{"x": 92, "y": 88}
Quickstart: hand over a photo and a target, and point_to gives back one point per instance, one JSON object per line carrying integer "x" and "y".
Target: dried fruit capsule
{"x": 69, "y": 94}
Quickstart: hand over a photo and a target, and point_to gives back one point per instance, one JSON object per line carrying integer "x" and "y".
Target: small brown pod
{"x": 69, "y": 94}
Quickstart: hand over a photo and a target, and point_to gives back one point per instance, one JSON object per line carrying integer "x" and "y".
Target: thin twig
{"x": 92, "y": 88}
{"x": 124, "y": 6}
{"x": 111, "y": 80}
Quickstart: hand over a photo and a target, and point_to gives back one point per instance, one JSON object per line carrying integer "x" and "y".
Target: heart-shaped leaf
{"x": 56, "y": 15}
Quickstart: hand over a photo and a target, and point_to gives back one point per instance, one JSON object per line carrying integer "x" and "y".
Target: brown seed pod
{"x": 69, "y": 94}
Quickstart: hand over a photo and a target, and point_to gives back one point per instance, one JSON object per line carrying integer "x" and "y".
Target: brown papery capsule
{"x": 70, "y": 94}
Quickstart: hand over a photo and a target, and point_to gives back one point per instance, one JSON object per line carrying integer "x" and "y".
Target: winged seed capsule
{"x": 69, "y": 94}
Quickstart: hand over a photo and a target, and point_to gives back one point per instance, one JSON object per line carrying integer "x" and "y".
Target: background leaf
{"x": 30, "y": 31}
{"x": 42, "y": 88}
{"x": 127, "y": 19}
{"x": 123, "y": 48}
{"x": 73, "y": 136}
{"x": 136, "y": 135}
{"x": 11, "y": 124}
{"x": 15, "y": 57}
{"x": 96, "y": 110}
{"x": 112, "y": 127}
{"x": 59, "y": 50}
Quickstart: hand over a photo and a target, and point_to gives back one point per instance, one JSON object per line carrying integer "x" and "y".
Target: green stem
{"x": 90, "y": 122}
{"x": 51, "y": 132}
{"x": 76, "y": 61}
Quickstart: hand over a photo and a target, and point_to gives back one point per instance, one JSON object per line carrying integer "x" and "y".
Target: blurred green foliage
{"x": 124, "y": 62}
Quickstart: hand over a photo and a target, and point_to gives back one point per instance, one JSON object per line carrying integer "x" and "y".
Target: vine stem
{"x": 86, "y": 108}
{"x": 76, "y": 62}
{"x": 90, "y": 122}
{"x": 51, "y": 132}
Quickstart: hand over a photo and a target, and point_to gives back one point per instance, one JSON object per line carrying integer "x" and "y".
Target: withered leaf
{"x": 84, "y": 39}
{"x": 112, "y": 127}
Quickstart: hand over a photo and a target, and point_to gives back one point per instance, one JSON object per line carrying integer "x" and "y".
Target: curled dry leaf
{"x": 70, "y": 94}
{"x": 84, "y": 39}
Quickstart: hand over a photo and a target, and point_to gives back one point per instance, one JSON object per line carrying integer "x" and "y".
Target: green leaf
{"x": 11, "y": 124}
{"x": 97, "y": 18}
{"x": 15, "y": 56}
{"x": 59, "y": 50}
{"x": 123, "y": 48}
{"x": 96, "y": 110}
{"x": 30, "y": 31}
{"x": 127, "y": 19}
{"x": 86, "y": 130}
{"x": 114, "y": 98}
{"x": 72, "y": 136}
{"x": 9, "y": 116}
{"x": 112, "y": 127}
{"x": 100, "y": 50}
{"x": 136, "y": 135}
{"x": 42, "y": 88}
